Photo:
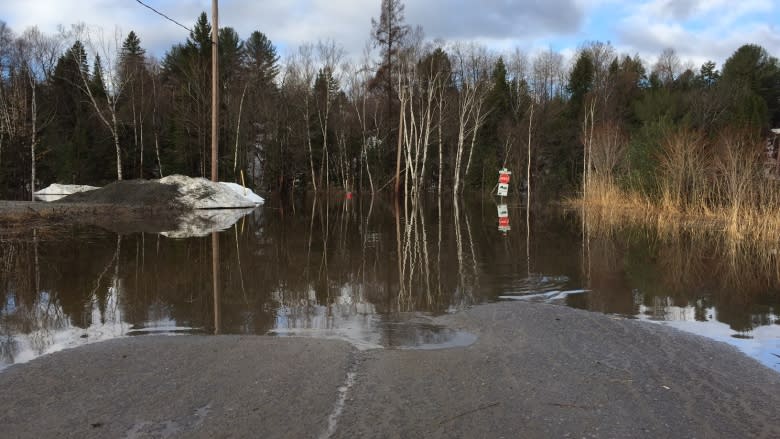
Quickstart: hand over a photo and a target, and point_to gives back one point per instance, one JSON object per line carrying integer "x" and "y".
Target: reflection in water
{"x": 372, "y": 272}
{"x": 216, "y": 286}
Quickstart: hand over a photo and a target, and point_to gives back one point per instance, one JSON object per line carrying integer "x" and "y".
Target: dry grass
{"x": 703, "y": 186}
{"x": 608, "y": 206}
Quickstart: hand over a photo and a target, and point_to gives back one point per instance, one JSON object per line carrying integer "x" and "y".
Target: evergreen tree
{"x": 750, "y": 72}
{"x": 708, "y": 75}
{"x": 231, "y": 53}
{"x": 580, "y": 82}
{"x": 388, "y": 34}
{"x": 96, "y": 83}
{"x": 262, "y": 59}
{"x": 200, "y": 40}
{"x": 131, "y": 47}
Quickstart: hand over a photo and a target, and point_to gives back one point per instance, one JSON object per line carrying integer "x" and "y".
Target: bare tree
{"x": 471, "y": 72}
{"x": 358, "y": 78}
{"x": 601, "y": 55}
{"x": 106, "y": 111}
{"x": 299, "y": 77}
{"x": 420, "y": 85}
{"x": 37, "y": 54}
{"x": 154, "y": 69}
{"x": 668, "y": 66}
{"x": 330, "y": 56}
{"x": 6, "y": 37}
{"x": 547, "y": 76}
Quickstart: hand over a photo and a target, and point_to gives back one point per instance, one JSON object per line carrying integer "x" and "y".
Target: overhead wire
{"x": 164, "y": 16}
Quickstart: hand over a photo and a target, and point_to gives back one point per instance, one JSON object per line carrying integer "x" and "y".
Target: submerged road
{"x": 535, "y": 370}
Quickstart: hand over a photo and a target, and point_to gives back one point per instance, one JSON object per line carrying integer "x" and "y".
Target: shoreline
{"x": 19, "y": 216}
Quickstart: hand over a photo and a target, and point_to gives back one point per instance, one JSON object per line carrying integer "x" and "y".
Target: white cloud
{"x": 698, "y": 29}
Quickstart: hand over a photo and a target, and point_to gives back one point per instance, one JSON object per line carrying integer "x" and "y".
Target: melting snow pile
{"x": 64, "y": 189}
{"x": 56, "y": 191}
{"x": 216, "y": 206}
{"x": 244, "y": 192}
{"x": 199, "y": 193}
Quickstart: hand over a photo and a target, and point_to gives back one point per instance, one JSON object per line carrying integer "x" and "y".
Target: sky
{"x": 698, "y": 30}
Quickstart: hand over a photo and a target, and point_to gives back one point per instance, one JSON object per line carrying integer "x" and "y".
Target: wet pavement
{"x": 535, "y": 370}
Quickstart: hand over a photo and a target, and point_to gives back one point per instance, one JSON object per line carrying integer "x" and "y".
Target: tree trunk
{"x": 238, "y": 127}
{"x": 441, "y": 153}
{"x": 477, "y": 123}
{"x": 400, "y": 146}
{"x": 157, "y": 151}
{"x": 33, "y": 137}
{"x": 115, "y": 132}
{"x": 528, "y": 169}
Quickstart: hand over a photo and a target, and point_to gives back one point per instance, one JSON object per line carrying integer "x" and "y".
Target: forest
{"x": 86, "y": 106}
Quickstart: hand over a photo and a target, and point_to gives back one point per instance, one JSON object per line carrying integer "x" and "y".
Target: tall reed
{"x": 719, "y": 185}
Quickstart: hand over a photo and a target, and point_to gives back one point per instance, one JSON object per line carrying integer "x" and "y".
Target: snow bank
{"x": 56, "y": 191}
{"x": 199, "y": 193}
{"x": 198, "y": 223}
{"x": 64, "y": 189}
{"x": 244, "y": 192}
{"x": 194, "y": 193}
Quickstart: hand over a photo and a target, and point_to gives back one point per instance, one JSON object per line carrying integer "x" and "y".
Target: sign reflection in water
{"x": 371, "y": 272}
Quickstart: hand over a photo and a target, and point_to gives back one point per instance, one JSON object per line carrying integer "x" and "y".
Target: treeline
{"x": 82, "y": 107}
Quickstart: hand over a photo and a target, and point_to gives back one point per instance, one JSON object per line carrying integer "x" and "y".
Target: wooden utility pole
{"x": 214, "y": 89}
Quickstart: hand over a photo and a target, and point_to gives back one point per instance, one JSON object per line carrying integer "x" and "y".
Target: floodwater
{"x": 374, "y": 274}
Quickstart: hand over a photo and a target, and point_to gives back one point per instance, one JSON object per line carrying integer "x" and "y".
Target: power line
{"x": 164, "y": 16}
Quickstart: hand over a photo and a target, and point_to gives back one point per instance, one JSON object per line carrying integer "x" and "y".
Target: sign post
{"x": 503, "y": 190}
{"x": 503, "y": 218}
{"x": 503, "y": 182}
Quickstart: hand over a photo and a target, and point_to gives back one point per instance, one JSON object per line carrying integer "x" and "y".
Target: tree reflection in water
{"x": 368, "y": 270}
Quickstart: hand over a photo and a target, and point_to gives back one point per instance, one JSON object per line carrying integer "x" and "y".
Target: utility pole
{"x": 214, "y": 88}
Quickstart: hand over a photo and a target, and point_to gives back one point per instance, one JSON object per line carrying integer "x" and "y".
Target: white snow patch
{"x": 199, "y": 193}
{"x": 56, "y": 191}
{"x": 244, "y": 192}
{"x": 65, "y": 189}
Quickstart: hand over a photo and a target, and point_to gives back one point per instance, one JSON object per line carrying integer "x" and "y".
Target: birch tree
{"x": 471, "y": 73}
{"x": 106, "y": 111}
{"x": 37, "y": 54}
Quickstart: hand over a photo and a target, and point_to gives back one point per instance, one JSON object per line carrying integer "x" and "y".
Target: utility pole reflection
{"x": 215, "y": 277}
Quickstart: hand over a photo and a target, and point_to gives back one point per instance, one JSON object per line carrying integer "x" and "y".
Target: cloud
{"x": 698, "y": 29}
{"x": 495, "y": 19}
{"x": 288, "y": 23}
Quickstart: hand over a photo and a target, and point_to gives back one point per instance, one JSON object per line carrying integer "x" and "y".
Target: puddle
{"x": 376, "y": 332}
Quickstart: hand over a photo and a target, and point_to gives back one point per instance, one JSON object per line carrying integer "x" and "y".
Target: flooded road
{"x": 375, "y": 275}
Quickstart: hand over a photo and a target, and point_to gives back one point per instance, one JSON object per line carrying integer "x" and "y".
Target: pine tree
{"x": 199, "y": 40}
{"x": 96, "y": 82}
{"x": 752, "y": 71}
{"x": 580, "y": 82}
{"x": 389, "y": 33}
{"x": 262, "y": 59}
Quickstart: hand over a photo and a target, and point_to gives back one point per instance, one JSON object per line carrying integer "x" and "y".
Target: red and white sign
{"x": 503, "y": 218}
{"x": 503, "y": 182}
